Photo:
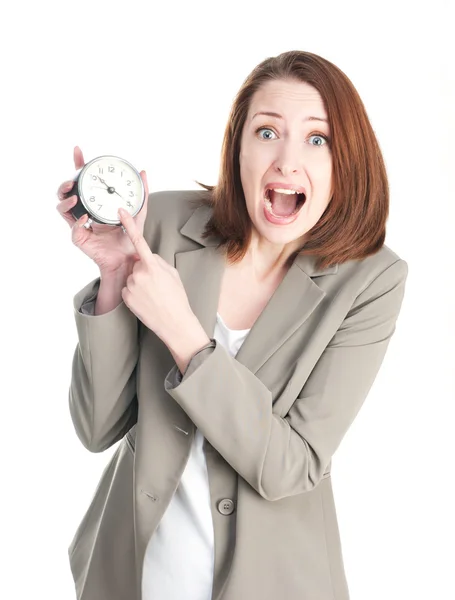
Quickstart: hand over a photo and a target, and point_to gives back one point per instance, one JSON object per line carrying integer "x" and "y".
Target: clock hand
{"x": 102, "y": 181}
{"x": 108, "y": 186}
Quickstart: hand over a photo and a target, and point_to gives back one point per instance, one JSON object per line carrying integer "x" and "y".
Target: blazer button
{"x": 226, "y": 506}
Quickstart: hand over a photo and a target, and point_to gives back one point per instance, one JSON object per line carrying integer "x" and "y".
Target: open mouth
{"x": 283, "y": 203}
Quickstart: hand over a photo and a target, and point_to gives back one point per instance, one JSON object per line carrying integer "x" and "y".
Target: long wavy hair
{"x": 353, "y": 224}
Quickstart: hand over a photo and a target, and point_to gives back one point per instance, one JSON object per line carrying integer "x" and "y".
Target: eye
{"x": 264, "y": 129}
{"x": 319, "y": 135}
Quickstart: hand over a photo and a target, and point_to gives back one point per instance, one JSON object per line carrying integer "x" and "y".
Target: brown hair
{"x": 353, "y": 224}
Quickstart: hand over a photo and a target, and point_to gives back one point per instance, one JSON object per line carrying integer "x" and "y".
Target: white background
{"x": 153, "y": 83}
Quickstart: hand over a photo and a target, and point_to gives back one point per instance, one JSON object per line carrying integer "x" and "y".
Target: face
{"x": 287, "y": 149}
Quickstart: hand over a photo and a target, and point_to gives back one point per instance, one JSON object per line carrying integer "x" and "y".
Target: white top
{"x": 179, "y": 559}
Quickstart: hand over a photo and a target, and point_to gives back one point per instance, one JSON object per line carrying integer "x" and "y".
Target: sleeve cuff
{"x": 175, "y": 377}
{"x": 88, "y": 307}
{"x": 84, "y": 301}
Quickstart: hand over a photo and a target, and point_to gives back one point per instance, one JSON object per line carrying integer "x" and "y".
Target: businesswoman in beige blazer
{"x": 228, "y": 344}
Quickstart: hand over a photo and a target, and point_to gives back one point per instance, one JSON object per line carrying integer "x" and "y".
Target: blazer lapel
{"x": 292, "y": 303}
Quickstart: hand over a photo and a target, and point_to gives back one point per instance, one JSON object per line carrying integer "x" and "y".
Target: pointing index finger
{"x": 134, "y": 234}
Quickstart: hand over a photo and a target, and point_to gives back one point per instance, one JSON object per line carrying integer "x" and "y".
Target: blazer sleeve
{"x": 194, "y": 363}
{"x": 88, "y": 306}
{"x": 284, "y": 456}
{"x": 102, "y": 394}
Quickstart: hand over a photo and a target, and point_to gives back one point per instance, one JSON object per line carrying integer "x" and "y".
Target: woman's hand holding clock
{"x": 106, "y": 245}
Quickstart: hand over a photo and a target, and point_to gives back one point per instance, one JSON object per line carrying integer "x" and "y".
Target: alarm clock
{"x": 104, "y": 185}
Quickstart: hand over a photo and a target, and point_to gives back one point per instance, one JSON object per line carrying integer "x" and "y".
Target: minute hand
{"x": 102, "y": 181}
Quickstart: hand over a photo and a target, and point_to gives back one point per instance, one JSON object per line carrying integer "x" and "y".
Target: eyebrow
{"x": 278, "y": 116}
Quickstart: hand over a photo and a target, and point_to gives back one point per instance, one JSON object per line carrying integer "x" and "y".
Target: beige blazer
{"x": 273, "y": 417}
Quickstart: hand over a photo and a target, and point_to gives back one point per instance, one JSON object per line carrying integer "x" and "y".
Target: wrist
{"x": 110, "y": 290}
{"x": 184, "y": 346}
{"x": 116, "y": 274}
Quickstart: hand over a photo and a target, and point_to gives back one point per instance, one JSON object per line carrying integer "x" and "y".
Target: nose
{"x": 289, "y": 160}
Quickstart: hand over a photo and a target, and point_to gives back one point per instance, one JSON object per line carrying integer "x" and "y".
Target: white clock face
{"x": 109, "y": 183}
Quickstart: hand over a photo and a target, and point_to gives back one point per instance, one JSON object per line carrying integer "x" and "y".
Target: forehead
{"x": 287, "y": 96}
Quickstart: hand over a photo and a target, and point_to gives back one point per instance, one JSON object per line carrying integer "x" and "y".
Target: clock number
{"x": 129, "y": 204}
{"x": 128, "y": 182}
{"x": 111, "y": 169}
{"x": 100, "y": 169}
{"x": 92, "y": 198}
{"x": 100, "y": 206}
{"x": 94, "y": 177}
{"x": 131, "y": 193}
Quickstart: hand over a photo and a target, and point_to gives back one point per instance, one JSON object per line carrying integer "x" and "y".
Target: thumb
{"x": 78, "y": 157}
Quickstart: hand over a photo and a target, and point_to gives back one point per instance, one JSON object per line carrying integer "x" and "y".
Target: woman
{"x": 221, "y": 485}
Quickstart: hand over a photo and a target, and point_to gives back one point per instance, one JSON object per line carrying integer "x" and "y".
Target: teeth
{"x": 283, "y": 191}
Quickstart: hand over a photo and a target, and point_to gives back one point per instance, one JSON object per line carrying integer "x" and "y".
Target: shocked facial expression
{"x": 286, "y": 150}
